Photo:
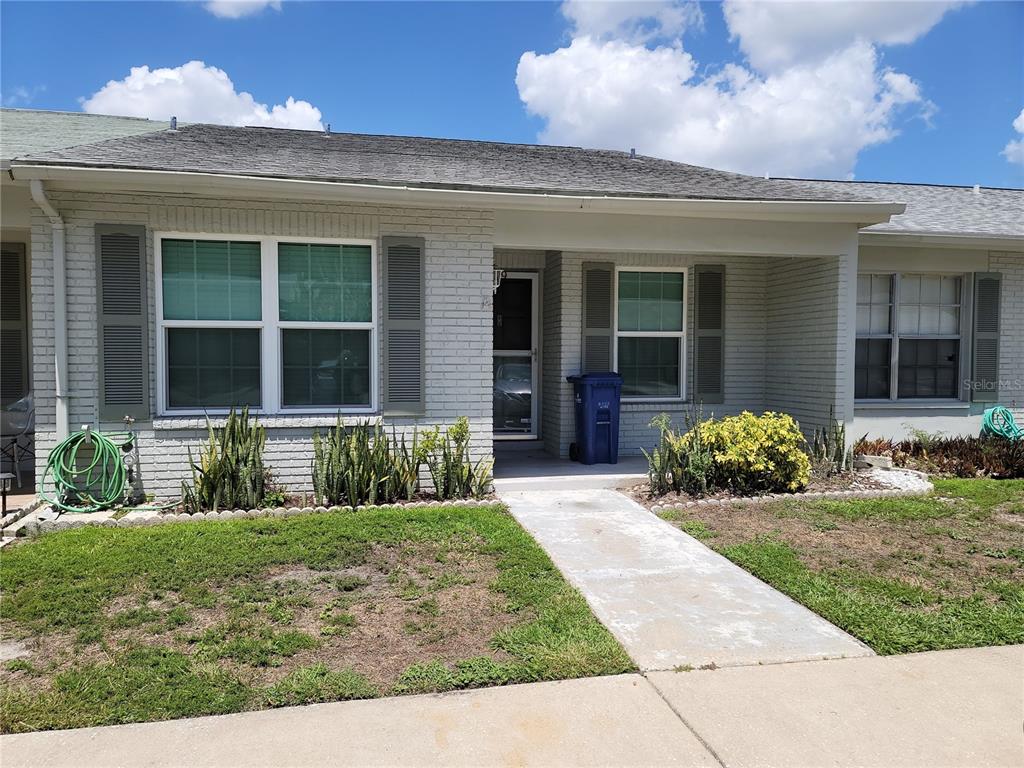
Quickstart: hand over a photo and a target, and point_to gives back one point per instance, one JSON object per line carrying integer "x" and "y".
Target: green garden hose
{"x": 999, "y": 421}
{"x": 82, "y": 482}
{"x": 88, "y": 473}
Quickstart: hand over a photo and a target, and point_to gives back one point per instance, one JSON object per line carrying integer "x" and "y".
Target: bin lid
{"x": 609, "y": 377}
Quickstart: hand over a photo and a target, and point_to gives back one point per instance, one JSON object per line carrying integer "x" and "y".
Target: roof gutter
{"x": 60, "y": 306}
{"x": 191, "y": 183}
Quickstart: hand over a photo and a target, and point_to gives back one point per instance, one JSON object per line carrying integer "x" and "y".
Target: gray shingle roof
{"x": 28, "y": 131}
{"x": 936, "y": 209}
{"x": 422, "y": 162}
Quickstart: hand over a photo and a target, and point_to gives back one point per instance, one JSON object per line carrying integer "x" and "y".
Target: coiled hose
{"x": 82, "y": 482}
{"x": 999, "y": 421}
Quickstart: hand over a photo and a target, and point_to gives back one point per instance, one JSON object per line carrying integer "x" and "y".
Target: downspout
{"x": 60, "y": 306}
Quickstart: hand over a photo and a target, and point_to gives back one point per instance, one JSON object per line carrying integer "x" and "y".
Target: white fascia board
{"x": 944, "y": 240}
{"x": 109, "y": 179}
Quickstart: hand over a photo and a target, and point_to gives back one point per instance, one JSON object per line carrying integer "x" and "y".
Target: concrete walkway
{"x": 668, "y": 599}
{"x": 953, "y": 708}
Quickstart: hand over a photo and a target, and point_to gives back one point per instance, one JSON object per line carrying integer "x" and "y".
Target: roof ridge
{"x": 82, "y": 114}
{"x": 901, "y": 183}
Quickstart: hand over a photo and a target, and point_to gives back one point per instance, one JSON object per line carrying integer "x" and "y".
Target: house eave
{"x": 190, "y": 183}
{"x": 944, "y": 240}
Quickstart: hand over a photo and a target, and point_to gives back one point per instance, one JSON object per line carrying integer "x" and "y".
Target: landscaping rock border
{"x": 904, "y": 482}
{"x": 142, "y": 518}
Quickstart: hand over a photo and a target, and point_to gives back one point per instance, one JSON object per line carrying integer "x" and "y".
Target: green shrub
{"x": 454, "y": 474}
{"x": 230, "y": 473}
{"x": 756, "y": 454}
{"x": 744, "y": 454}
{"x": 362, "y": 465}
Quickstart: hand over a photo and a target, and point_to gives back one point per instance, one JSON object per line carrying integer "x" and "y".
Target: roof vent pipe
{"x": 327, "y": 130}
{"x": 977, "y": 189}
{"x": 632, "y": 153}
{"x": 174, "y": 123}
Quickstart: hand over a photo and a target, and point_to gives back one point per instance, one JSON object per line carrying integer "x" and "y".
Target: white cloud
{"x": 21, "y": 95}
{"x": 196, "y": 93}
{"x": 1014, "y": 149}
{"x": 634, "y": 20}
{"x": 236, "y": 9}
{"x": 775, "y": 35}
{"x": 805, "y": 121}
{"x": 802, "y": 115}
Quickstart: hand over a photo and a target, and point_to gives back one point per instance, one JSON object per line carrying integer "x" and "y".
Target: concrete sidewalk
{"x": 666, "y": 597}
{"x": 951, "y": 708}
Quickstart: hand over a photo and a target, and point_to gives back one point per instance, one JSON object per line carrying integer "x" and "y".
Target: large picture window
{"x": 277, "y": 325}
{"x": 650, "y": 326}
{"x": 908, "y": 336}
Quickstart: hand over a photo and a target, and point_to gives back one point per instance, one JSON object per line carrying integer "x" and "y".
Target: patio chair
{"x": 17, "y": 433}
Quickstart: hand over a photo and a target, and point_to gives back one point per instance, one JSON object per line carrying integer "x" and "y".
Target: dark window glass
{"x": 649, "y": 366}
{"x": 325, "y": 367}
{"x": 928, "y": 368}
{"x": 513, "y": 314}
{"x": 872, "y": 368}
{"x": 213, "y": 367}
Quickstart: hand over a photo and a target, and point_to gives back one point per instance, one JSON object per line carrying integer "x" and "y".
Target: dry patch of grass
{"x": 143, "y": 624}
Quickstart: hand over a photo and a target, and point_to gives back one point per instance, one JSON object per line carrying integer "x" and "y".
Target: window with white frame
{"x": 908, "y": 336}
{"x": 649, "y": 332}
{"x": 279, "y": 325}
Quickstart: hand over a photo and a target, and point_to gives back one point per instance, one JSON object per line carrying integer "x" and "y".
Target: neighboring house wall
{"x": 897, "y": 421}
{"x": 459, "y": 263}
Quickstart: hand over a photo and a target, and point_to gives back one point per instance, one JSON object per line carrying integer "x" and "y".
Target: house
{"x": 418, "y": 280}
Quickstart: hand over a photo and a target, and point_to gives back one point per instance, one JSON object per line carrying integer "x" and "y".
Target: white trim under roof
{"x": 942, "y": 240}
{"x": 124, "y": 179}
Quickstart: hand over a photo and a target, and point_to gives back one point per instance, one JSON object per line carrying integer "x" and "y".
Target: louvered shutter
{"x": 709, "y": 334}
{"x": 985, "y": 347}
{"x": 123, "y": 322}
{"x": 13, "y": 324}
{"x": 597, "y": 317}
{"x": 404, "y": 324}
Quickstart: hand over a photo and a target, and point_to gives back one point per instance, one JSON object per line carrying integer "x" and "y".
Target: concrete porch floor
{"x": 521, "y": 467}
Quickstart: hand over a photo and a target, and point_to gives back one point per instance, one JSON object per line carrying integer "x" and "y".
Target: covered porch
{"x": 713, "y": 334}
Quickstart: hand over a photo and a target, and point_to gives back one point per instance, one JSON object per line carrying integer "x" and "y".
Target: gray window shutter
{"x": 985, "y": 365}
{"x": 14, "y": 365}
{"x": 597, "y": 317}
{"x": 404, "y": 324}
{"x": 709, "y": 334}
{"x": 123, "y": 326}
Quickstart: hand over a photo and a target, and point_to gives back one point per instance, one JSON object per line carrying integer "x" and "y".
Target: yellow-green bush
{"x": 753, "y": 454}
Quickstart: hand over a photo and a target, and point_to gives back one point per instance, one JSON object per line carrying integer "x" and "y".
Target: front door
{"x": 515, "y": 356}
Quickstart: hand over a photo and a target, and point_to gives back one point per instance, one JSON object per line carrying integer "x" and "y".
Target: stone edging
{"x": 146, "y": 518}
{"x": 924, "y": 487}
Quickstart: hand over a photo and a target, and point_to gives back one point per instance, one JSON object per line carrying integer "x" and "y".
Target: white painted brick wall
{"x": 459, "y": 309}
{"x": 805, "y": 339}
{"x": 1011, "y": 342}
{"x": 745, "y": 320}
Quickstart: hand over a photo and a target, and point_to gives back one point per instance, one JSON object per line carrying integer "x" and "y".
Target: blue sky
{"x": 902, "y": 92}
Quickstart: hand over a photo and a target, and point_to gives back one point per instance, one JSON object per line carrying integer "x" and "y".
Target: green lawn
{"x": 903, "y": 575}
{"x": 139, "y": 624}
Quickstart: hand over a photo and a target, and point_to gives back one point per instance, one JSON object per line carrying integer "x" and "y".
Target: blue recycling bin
{"x": 596, "y": 398}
